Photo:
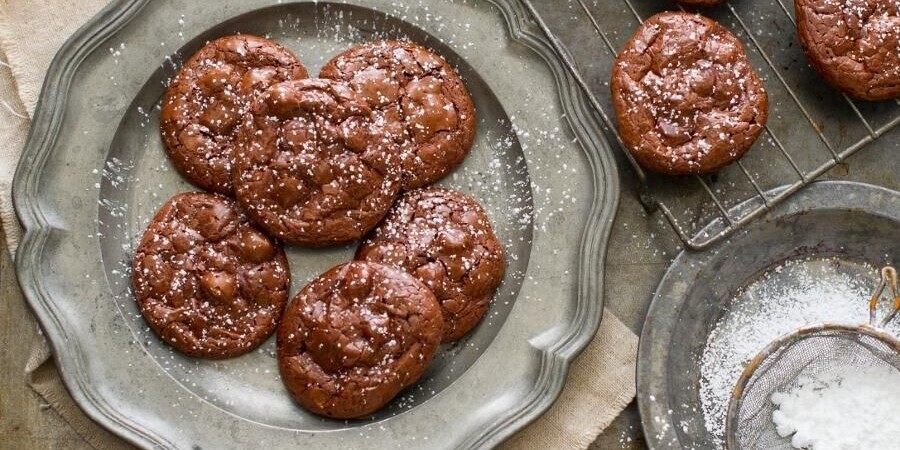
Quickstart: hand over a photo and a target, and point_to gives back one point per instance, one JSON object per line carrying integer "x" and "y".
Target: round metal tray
{"x": 855, "y": 224}
{"x": 93, "y": 172}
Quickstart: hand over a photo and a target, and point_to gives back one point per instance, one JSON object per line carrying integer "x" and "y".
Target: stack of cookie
{"x": 318, "y": 162}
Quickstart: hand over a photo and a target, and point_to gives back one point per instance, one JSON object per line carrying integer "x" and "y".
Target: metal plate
{"x": 856, "y": 224}
{"x": 93, "y": 172}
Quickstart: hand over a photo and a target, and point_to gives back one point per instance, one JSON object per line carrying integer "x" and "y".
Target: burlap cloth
{"x": 600, "y": 383}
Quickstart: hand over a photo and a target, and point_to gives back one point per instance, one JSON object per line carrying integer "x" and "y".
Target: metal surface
{"x": 835, "y": 126}
{"x": 856, "y": 224}
{"x": 93, "y": 171}
{"x": 808, "y": 351}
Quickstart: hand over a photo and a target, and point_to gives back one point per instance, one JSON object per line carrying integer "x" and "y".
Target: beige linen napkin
{"x": 600, "y": 383}
{"x": 31, "y": 31}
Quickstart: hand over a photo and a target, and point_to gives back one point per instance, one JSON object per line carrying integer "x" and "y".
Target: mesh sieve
{"x": 808, "y": 351}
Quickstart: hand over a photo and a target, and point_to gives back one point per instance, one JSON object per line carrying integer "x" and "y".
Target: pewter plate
{"x": 93, "y": 172}
{"x": 850, "y": 227}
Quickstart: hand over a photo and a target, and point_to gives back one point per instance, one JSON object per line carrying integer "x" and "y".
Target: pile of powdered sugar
{"x": 794, "y": 294}
{"x": 848, "y": 407}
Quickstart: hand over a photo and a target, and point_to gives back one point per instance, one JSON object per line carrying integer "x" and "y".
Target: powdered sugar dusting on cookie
{"x": 853, "y": 44}
{"x": 686, "y": 98}
{"x": 205, "y": 104}
{"x": 444, "y": 239}
{"x": 208, "y": 282}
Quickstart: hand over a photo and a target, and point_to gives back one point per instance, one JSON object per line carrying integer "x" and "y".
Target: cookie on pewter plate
{"x": 445, "y": 239}
{"x": 205, "y": 102}
{"x": 686, "y": 98}
{"x": 354, "y": 337}
{"x": 208, "y": 282}
{"x": 313, "y": 167}
{"x": 853, "y": 44}
{"x": 419, "y": 98}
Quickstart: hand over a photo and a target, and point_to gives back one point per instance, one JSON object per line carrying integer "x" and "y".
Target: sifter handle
{"x": 888, "y": 279}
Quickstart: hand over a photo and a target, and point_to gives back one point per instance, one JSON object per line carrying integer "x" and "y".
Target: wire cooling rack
{"x": 812, "y": 128}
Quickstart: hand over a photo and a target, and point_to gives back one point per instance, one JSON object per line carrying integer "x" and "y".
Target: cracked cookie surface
{"x": 853, "y": 44}
{"x": 419, "y": 98}
{"x": 354, "y": 337}
{"x": 686, "y": 98}
{"x": 699, "y": 2}
{"x": 206, "y": 281}
{"x": 204, "y": 104}
{"x": 444, "y": 238}
{"x": 313, "y": 166}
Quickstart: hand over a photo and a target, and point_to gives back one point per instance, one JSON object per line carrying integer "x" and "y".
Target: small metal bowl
{"x": 854, "y": 223}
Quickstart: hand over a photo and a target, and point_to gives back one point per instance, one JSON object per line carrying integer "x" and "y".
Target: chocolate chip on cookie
{"x": 313, "y": 167}
{"x": 699, "y": 2}
{"x": 418, "y": 97}
{"x": 204, "y": 104}
{"x": 354, "y": 337}
{"x": 686, "y": 98}
{"x": 445, "y": 239}
{"x": 853, "y": 44}
{"x": 208, "y": 282}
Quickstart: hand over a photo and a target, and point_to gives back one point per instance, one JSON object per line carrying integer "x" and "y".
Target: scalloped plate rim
{"x": 555, "y": 359}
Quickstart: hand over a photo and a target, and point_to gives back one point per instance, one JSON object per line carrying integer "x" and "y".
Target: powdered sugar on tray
{"x": 512, "y": 171}
{"x": 848, "y": 407}
{"x": 792, "y": 295}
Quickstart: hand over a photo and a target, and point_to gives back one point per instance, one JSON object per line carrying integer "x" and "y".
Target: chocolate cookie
{"x": 314, "y": 168}
{"x": 203, "y": 105}
{"x": 419, "y": 98}
{"x": 354, "y": 337}
{"x": 685, "y": 96}
{"x": 444, "y": 238}
{"x": 699, "y": 2}
{"x": 208, "y": 282}
{"x": 853, "y": 44}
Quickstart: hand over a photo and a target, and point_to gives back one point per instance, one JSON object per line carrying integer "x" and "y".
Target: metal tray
{"x": 93, "y": 172}
{"x": 856, "y": 224}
